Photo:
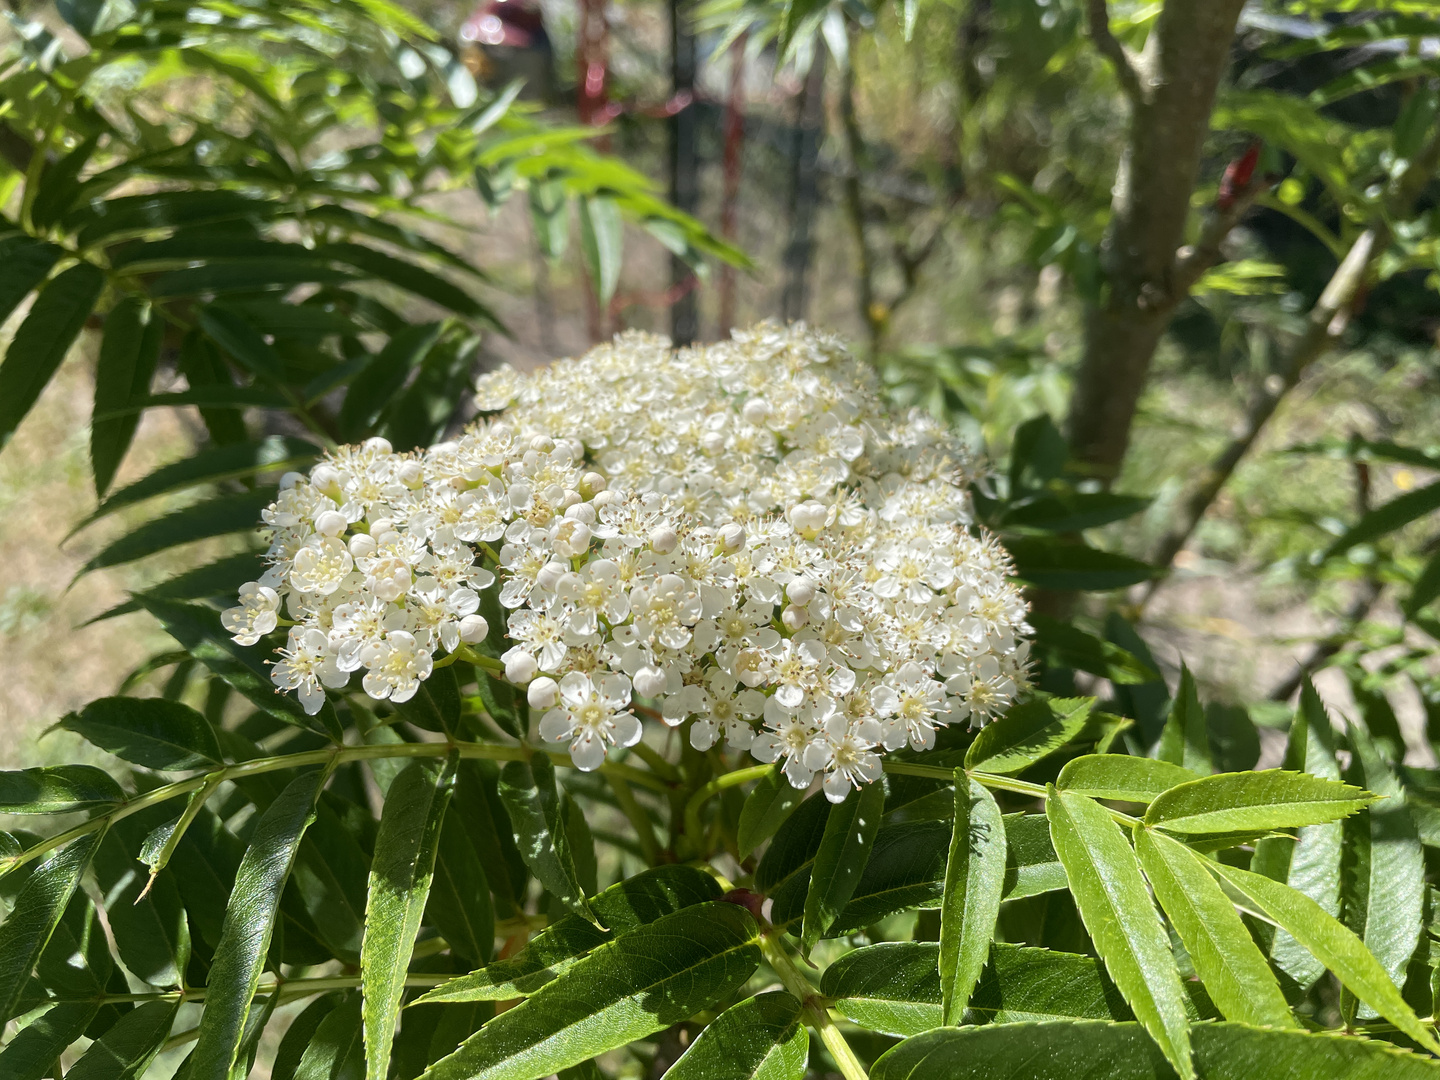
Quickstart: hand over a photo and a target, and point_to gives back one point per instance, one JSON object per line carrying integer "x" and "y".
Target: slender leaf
{"x": 129, "y": 352}
{"x": 634, "y": 902}
{"x": 33, "y": 1051}
{"x": 219, "y": 579}
{"x": 408, "y": 276}
{"x": 1331, "y": 943}
{"x": 1395, "y": 514}
{"x": 270, "y": 454}
{"x": 152, "y": 732}
{"x": 35, "y": 914}
{"x": 382, "y": 377}
{"x": 459, "y": 906}
{"x": 787, "y": 860}
{"x": 399, "y": 888}
{"x": 1031, "y": 865}
{"x": 1234, "y": 972}
{"x": 974, "y": 883}
{"x": 147, "y": 918}
{"x": 1186, "y": 738}
{"x": 60, "y": 789}
{"x": 1022, "y": 984}
{"x": 1066, "y": 1051}
{"x": 249, "y": 923}
{"x": 533, "y": 803}
{"x": 126, "y": 1050}
{"x": 640, "y": 983}
{"x": 42, "y": 340}
{"x": 1054, "y": 564}
{"x": 1121, "y": 919}
{"x": 24, "y": 264}
{"x": 850, "y": 830}
{"x": 761, "y": 1038}
{"x": 892, "y": 987}
{"x": 337, "y": 1049}
{"x": 1391, "y": 871}
{"x": 1426, "y": 587}
{"x": 1027, "y": 733}
{"x": 1253, "y": 802}
{"x": 300, "y": 1033}
{"x": 602, "y": 243}
{"x": 214, "y": 517}
{"x": 1121, "y": 776}
{"x": 766, "y": 808}
{"x": 1314, "y": 864}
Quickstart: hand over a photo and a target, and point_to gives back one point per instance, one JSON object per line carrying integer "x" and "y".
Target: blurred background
{"x": 936, "y": 180}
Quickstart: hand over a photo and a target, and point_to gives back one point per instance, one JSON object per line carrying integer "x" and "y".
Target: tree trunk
{"x": 1172, "y": 91}
{"x": 684, "y": 166}
{"x": 804, "y": 188}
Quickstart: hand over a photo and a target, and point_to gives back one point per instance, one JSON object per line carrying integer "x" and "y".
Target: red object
{"x": 516, "y": 24}
{"x": 1238, "y": 175}
{"x": 592, "y": 59}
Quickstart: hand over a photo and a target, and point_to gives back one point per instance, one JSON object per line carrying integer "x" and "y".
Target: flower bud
{"x": 543, "y": 693}
{"x": 330, "y": 523}
{"x": 361, "y": 545}
{"x": 550, "y": 575}
{"x": 663, "y": 540}
{"x": 378, "y": 445}
{"x": 755, "y": 411}
{"x": 290, "y": 479}
{"x": 794, "y": 618}
{"x": 801, "y": 592}
{"x": 520, "y": 668}
{"x": 325, "y": 477}
{"x": 604, "y": 498}
{"x": 411, "y": 474}
{"x": 731, "y": 538}
{"x": 543, "y": 443}
{"x": 649, "y": 681}
{"x": 474, "y": 629}
{"x": 591, "y": 484}
{"x": 712, "y": 442}
{"x": 583, "y": 511}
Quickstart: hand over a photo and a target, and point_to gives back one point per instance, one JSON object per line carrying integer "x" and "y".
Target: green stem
{"x": 693, "y": 828}
{"x": 333, "y": 756}
{"x": 644, "y": 834}
{"x": 656, "y": 761}
{"x": 797, "y": 984}
{"x": 990, "y": 780}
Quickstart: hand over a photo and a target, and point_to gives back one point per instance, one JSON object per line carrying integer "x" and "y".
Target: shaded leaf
{"x": 126, "y": 1050}
{"x": 34, "y": 1049}
{"x": 850, "y": 829}
{"x": 129, "y": 352}
{"x": 1186, "y": 738}
{"x": 761, "y": 1038}
{"x": 533, "y": 803}
{"x": 640, "y": 983}
{"x": 1022, "y": 984}
{"x": 42, "y": 340}
{"x": 974, "y": 883}
{"x": 249, "y": 923}
{"x": 400, "y": 874}
{"x": 214, "y": 517}
{"x": 766, "y": 808}
{"x": 1073, "y": 567}
{"x": 152, "y": 732}
{"x": 1395, "y": 514}
{"x": 60, "y": 789}
{"x": 602, "y": 244}
{"x": 892, "y": 987}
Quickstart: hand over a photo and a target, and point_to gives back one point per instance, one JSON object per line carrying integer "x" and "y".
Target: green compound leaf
{"x": 1331, "y": 943}
{"x": 35, "y": 914}
{"x": 624, "y": 906}
{"x": 219, "y": 516}
{"x": 1234, "y": 972}
{"x": 126, "y": 1050}
{"x": 1027, "y": 733}
{"x": 152, "y": 732}
{"x": 1069, "y": 1050}
{"x": 766, "y": 808}
{"x": 400, "y": 875}
{"x": 1023, "y": 984}
{"x": 638, "y": 984}
{"x": 1121, "y": 777}
{"x": 1117, "y": 911}
{"x": 129, "y": 353}
{"x": 892, "y": 988}
{"x": 1253, "y": 802}
{"x": 248, "y": 926}
{"x": 974, "y": 884}
{"x": 850, "y": 830}
{"x": 761, "y": 1038}
{"x": 60, "y": 789}
{"x": 528, "y": 791}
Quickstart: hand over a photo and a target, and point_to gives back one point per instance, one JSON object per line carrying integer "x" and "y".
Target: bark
{"x": 684, "y": 166}
{"x": 1171, "y": 88}
{"x": 804, "y": 189}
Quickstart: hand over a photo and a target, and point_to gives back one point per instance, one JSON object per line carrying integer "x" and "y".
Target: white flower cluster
{"x": 738, "y": 534}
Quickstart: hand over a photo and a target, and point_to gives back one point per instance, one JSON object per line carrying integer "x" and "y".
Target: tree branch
{"x": 853, "y": 199}
{"x": 1097, "y": 14}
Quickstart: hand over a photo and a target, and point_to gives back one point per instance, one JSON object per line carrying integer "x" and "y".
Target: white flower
{"x": 593, "y": 715}
{"x": 321, "y": 565}
{"x": 256, "y": 616}
{"x": 907, "y": 701}
{"x": 395, "y": 666}
{"x": 305, "y": 665}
